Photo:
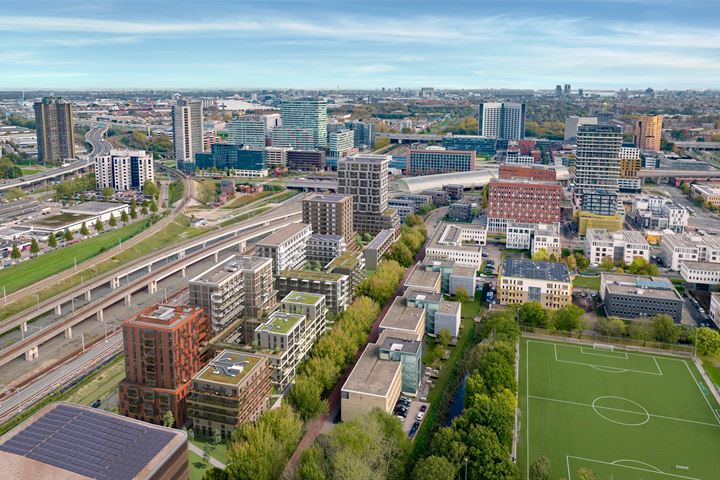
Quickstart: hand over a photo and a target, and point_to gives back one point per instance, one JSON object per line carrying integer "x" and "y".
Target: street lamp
{"x": 466, "y": 462}
{"x": 17, "y": 390}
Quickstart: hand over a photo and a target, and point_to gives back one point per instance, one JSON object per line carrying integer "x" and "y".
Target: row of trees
{"x": 8, "y": 169}
{"x": 67, "y": 189}
{"x": 412, "y": 237}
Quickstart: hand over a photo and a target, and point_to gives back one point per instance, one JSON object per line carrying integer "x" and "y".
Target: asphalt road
{"x": 701, "y": 218}
{"x": 99, "y": 145}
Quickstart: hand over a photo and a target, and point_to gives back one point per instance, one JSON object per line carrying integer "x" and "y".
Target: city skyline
{"x": 307, "y": 44}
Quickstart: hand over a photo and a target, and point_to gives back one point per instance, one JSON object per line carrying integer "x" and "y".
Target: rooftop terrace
{"x": 229, "y": 367}
{"x": 280, "y": 322}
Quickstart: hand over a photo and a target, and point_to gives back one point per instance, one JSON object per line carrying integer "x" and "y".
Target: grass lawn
{"x": 30, "y": 271}
{"x": 246, "y": 199}
{"x": 100, "y": 385}
{"x": 175, "y": 191}
{"x": 206, "y": 190}
{"x": 219, "y": 452}
{"x": 712, "y": 367}
{"x": 197, "y": 467}
{"x": 620, "y": 414}
{"x": 31, "y": 170}
{"x": 587, "y": 282}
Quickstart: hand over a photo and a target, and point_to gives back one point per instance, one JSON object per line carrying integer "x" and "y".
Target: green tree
{"x": 112, "y": 221}
{"x": 124, "y": 217}
{"x": 312, "y": 465}
{"x": 444, "y": 338}
{"x": 107, "y": 193}
{"x": 568, "y": 318}
{"x": 640, "y": 266}
{"x": 434, "y": 468}
{"x": 639, "y": 330}
{"x": 401, "y": 254}
{"x": 215, "y": 473}
{"x": 34, "y": 247}
{"x": 501, "y": 326}
{"x": 448, "y": 443}
{"x": 571, "y": 262}
{"x": 541, "y": 254}
{"x": 153, "y": 206}
{"x": 15, "y": 252}
{"x": 581, "y": 261}
{"x": 150, "y": 189}
{"x": 84, "y": 229}
{"x": 585, "y": 474}
{"x": 707, "y": 341}
{"x": 168, "y": 419}
{"x": 664, "y": 329}
{"x": 611, "y": 327}
{"x": 540, "y": 469}
{"x": 607, "y": 263}
{"x": 461, "y": 295}
{"x": 216, "y": 437}
{"x": 305, "y": 397}
{"x": 191, "y": 434}
{"x": 413, "y": 220}
{"x": 13, "y": 194}
{"x": 133, "y": 213}
{"x": 489, "y": 460}
{"x": 532, "y": 314}
{"x": 68, "y": 235}
{"x": 52, "y": 241}
{"x": 98, "y": 225}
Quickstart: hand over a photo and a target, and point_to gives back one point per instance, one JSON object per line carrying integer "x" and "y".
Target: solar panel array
{"x": 90, "y": 443}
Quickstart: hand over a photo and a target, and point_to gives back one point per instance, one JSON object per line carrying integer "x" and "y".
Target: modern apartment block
{"x": 364, "y": 132}
{"x": 293, "y": 138}
{"x": 308, "y": 114}
{"x": 312, "y": 305}
{"x": 305, "y": 160}
{"x": 377, "y": 247}
{"x": 433, "y": 160}
{"x": 351, "y": 264}
{"x": 632, "y": 297}
{"x": 597, "y": 168}
{"x": 648, "y": 132}
{"x": 55, "y": 130}
{"x": 542, "y": 173}
{"x": 534, "y": 237}
{"x": 220, "y": 290}
{"x": 287, "y": 247}
{"x": 502, "y": 120}
{"x": 682, "y": 247}
{"x": 522, "y": 201}
{"x": 124, "y": 170}
{"x": 461, "y": 243}
{"x": 162, "y": 353}
{"x": 335, "y": 286}
{"x": 231, "y": 390}
{"x": 573, "y": 122}
{"x": 365, "y": 177}
{"x": 714, "y": 312}
{"x": 187, "y": 127}
{"x": 340, "y": 143}
{"x": 227, "y": 156}
{"x": 625, "y": 245}
{"x": 330, "y": 214}
{"x": 324, "y": 248}
{"x": 250, "y": 131}
{"x": 260, "y": 294}
{"x": 521, "y": 281}
{"x": 659, "y": 213}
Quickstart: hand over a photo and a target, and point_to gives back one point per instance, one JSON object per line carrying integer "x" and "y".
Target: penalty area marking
{"x": 592, "y": 365}
{"x": 607, "y": 354}
{"x": 617, "y": 463}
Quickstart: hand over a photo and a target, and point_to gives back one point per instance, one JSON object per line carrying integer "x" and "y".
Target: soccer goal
{"x": 603, "y": 346}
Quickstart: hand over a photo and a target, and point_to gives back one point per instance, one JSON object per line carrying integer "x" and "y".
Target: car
{"x": 413, "y": 429}
{"x": 701, "y": 310}
{"x": 420, "y": 416}
{"x": 96, "y": 403}
{"x": 423, "y": 408}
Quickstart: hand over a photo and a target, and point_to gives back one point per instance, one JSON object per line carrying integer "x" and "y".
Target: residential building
{"x": 522, "y": 201}
{"x": 714, "y": 312}
{"x": 534, "y": 237}
{"x": 460, "y": 212}
{"x": 659, "y": 213}
{"x": 465, "y": 278}
{"x": 231, "y": 390}
{"x": 312, "y": 305}
{"x": 324, "y": 248}
{"x": 461, "y": 243}
{"x": 305, "y": 160}
{"x": 335, "y": 286}
{"x": 64, "y": 441}
{"x": 709, "y": 193}
{"x": 408, "y": 352}
{"x": 700, "y": 273}
{"x": 632, "y": 297}
{"x": 377, "y": 247}
{"x": 124, "y": 170}
{"x": 226, "y": 156}
{"x": 287, "y": 247}
{"x": 447, "y": 318}
{"x": 682, "y": 247}
{"x": 434, "y": 160}
{"x": 537, "y": 172}
{"x": 502, "y": 120}
{"x": 260, "y": 296}
{"x": 445, "y": 267}
{"x": 521, "y": 281}
{"x": 623, "y": 245}
{"x": 573, "y": 122}
{"x": 648, "y": 132}
{"x": 402, "y": 207}
{"x": 250, "y": 131}
{"x": 330, "y": 214}
{"x": 220, "y": 290}
{"x": 351, "y": 264}
{"x": 455, "y": 191}
{"x": 308, "y": 114}
{"x": 162, "y": 347}
{"x": 484, "y": 146}
{"x": 340, "y": 143}
{"x": 404, "y": 319}
{"x": 288, "y": 137}
{"x": 55, "y": 130}
{"x": 276, "y": 156}
{"x": 187, "y": 127}
{"x": 364, "y": 132}
{"x": 597, "y": 167}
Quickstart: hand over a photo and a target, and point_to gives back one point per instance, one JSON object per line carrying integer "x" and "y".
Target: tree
{"x": 84, "y": 229}
{"x": 312, "y": 465}
{"x": 607, "y": 263}
{"x": 640, "y": 266}
{"x": 413, "y": 220}
{"x": 153, "y": 206}
{"x": 133, "y": 213}
{"x": 107, "y": 193}
{"x": 639, "y": 330}
{"x": 52, "y": 241}
{"x": 540, "y": 469}
{"x": 13, "y": 194}
{"x": 664, "y": 329}
{"x": 124, "y": 217}
{"x": 581, "y": 261}
{"x": 541, "y": 255}
{"x": 15, "y": 253}
{"x": 448, "y": 443}
{"x": 434, "y": 468}
{"x": 111, "y": 221}
{"x": 444, "y": 338}
{"x": 571, "y": 262}
{"x": 611, "y": 327}
{"x": 191, "y": 434}
{"x": 98, "y": 225}
{"x": 144, "y": 210}
{"x": 216, "y": 437}
{"x": 532, "y": 314}
{"x": 489, "y": 460}
{"x": 68, "y": 235}
{"x": 305, "y": 397}
{"x": 400, "y": 253}
{"x": 568, "y": 318}
{"x": 150, "y": 189}
{"x": 461, "y": 295}
{"x": 707, "y": 341}
{"x": 34, "y": 247}
{"x": 367, "y": 237}
{"x": 215, "y": 474}
{"x": 585, "y": 474}
{"x": 501, "y": 326}
{"x": 168, "y": 419}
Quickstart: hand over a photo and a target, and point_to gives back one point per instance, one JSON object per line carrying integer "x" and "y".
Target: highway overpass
{"x": 707, "y": 146}
{"x": 696, "y": 174}
{"x": 410, "y": 137}
{"x": 46, "y": 178}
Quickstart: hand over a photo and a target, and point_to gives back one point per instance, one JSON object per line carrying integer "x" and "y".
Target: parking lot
{"x": 411, "y": 415}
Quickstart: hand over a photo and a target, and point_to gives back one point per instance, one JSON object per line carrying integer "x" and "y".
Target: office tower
{"x": 162, "y": 353}
{"x": 224, "y": 156}
{"x": 597, "y": 168}
{"x": 567, "y": 89}
{"x": 502, "y": 120}
{"x": 249, "y": 131}
{"x": 187, "y": 119}
{"x": 558, "y": 91}
{"x": 364, "y": 132}
{"x": 340, "y": 143}
{"x": 54, "y": 124}
{"x": 124, "y": 170}
{"x": 220, "y": 290}
{"x": 434, "y": 160}
{"x": 572, "y": 123}
{"x": 330, "y": 215}
{"x": 296, "y": 138}
{"x": 648, "y": 132}
{"x": 287, "y": 247}
{"x": 307, "y": 113}
{"x": 305, "y": 160}
{"x": 365, "y": 177}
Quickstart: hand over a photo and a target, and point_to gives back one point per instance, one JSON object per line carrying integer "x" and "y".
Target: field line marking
{"x": 605, "y": 366}
{"x": 697, "y": 384}
{"x": 625, "y": 411}
{"x": 582, "y": 350}
{"x": 527, "y": 407}
{"x": 652, "y": 467}
{"x": 657, "y": 364}
{"x": 657, "y": 471}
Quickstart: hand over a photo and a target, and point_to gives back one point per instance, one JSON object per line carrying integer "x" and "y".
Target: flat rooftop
{"x": 464, "y": 271}
{"x": 416, "y": 295}
{"x": 450, "y": 235}
{"x": 423, "y": 278}
{"x": 450, "y": 308}
{"x": 58, "y": 221}
{"x": 330, "y": 198}
{"x": 72, "y": 442}
{"x": 322, "y": 237}
{"x": 280, "y": 322}
{"x": 707, "y": 189}
{"x": 229, "y": 368}
{"x": 163, "y": 315}
{"x": 534, "y": 269}
{"x": 346, "y": 260}
{"x": 627, "y": 236}
{"x": 282, "y": 235}
{"x": 706, "y": 266}
{"x": 640, "y": 286}
{"x": 399, "y": 344}
{"x": 303, "y": 298}
{"x": 382, "y": 237}
{"x": 312, "y": 276}
{"x": 402, "y": 317}
{"x": 372, "y": 375}
{"x": 220, "y": 272}
{"x": 439, "y": 262}
{"x": 94, "y": 207}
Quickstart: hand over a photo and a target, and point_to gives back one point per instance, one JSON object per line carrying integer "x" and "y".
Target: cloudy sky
{"x": 359, "y": 44}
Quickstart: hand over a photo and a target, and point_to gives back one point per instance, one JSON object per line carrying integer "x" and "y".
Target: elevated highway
{"x": 679, "y": 173}
{"x": 48, "y": 177}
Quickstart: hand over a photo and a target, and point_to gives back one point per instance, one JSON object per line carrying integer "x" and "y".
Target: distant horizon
{"x": 320, "y": 45}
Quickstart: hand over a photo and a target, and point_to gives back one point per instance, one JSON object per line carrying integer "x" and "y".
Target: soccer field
{"x": 621, "y": 414}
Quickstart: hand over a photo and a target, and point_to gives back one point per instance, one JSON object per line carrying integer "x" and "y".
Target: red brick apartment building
{"x": 512, "y": 171}
{"x": 522, "y": 201}
{"x": 162, "y": 354}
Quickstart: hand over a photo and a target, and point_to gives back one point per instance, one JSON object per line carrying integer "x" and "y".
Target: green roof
{"x": 347, "y": 260}
{"x": 229, "y": 367}
{"x": 280, "y": 322}
{"x": 60, "y": 220}
{"x": 302, "y": 297}
{"x": 312, "y": 276}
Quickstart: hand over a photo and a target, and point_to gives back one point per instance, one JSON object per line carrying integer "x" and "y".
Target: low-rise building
{"x": 625, "y": 245}
{"x": 534, "y": 237}
{"x": 445, "y": 267}
{"x": 709, "y": 193}
{"x": 424, "y": 279}
{"x": 232, "y": 389}
{"x": 447, "y": 318}
{"x": 430, "y": 302}
{"x": 351, "y": 264}
{"x": 403, "y": 318}
{"x": 460, "y": 212}
{"x": 703, "y": 273}
{"x": 682, "y": 247}
{"x": 714, "y": 312}
{"x": 409, "y": 353}
{"x": 287, "y": 247}
{"x": 461, "y": 243}
{"x": 324, "y": 248}
{"x": 659, "y": 213}
{"x": 521, "y": 281}
{"x": 465, "y": 278}
{"x": 632, "y": 297}
{"x": 377, "y": 247}
{"x": 335, "y": 286}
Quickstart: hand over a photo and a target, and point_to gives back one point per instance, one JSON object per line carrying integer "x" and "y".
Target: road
{"x": 100, "y": 146}
{"x": 701, "y": 218}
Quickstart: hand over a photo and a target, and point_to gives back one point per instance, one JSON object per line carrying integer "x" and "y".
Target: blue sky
{"x": 71, "y": 44}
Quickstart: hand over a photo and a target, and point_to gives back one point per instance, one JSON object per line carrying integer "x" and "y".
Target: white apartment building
{"x": 461, "y": 243}
{"x": 124, "y": 170}
{"x": 249, "y": 131}
{"x": 622, "y": 245}
{"x": 659, "y": 213}
{"x": 700, "y": 272}
{"x": 681, "y": 247}
{"x": 502, "y": 120}
{"x": 287, "y": 247}
{"x": 187, "y": 126}
{"x": 715, "y": 308}
{"x": 340, "y": 143}
{"x": 533, "y": 237}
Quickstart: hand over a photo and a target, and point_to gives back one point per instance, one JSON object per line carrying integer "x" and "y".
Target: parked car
{"x": 423, "y": 408}
{"x": 413, "y": 429}
{"x": 420, "y": 416}
{"x": 96, "y": 403}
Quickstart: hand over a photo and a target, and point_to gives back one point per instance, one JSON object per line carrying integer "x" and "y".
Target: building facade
{"x": 502, "y": 120}
{"x": 334, "y": 286}
{"x": 460, "y": 243}
{"x": 521, "y": 281}
{"x": 187, "y": 127}
{"x": 220, "y": 291}
{"x": 623, "y": 245}
{"x": 434, "y": 160}
{"x": 250, "y": 131}
{"x": 330, "y": 214}
{"x": 308, "y": 114}
{"x": 597, "y": 167}
{"x": 55, "y": 130}
{"x": 287, "y": 247}
{"x": 648, "y": 132}
{"x": 324, "y": 248}
{"x": 305, "y": 160}
{"x": 633, "y": 297}
{"x": 293, "y": 138}
{"x": 521, "y": 201}
{"x": 124, "y": 170}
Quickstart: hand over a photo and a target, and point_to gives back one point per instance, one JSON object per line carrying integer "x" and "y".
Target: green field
{"x": 592, "y": 283}
{"x": 623, "y": 415}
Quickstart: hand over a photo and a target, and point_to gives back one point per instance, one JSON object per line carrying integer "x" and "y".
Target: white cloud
{"x": 373, "y": 68}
